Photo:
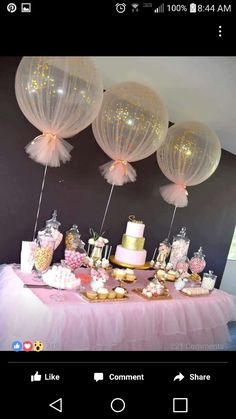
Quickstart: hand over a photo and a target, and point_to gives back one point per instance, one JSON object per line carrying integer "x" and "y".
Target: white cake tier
{"x": 135, "y": 229}
{"x": 131, "y": 257}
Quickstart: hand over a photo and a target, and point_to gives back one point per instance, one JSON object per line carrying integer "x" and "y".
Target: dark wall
{"x": 79, "y": 193}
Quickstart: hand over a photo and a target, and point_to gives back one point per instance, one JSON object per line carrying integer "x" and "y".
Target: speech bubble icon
{"x": 98, "y": 376}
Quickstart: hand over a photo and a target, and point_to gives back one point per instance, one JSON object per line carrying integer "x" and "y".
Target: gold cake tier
{"x": 133, "y": 243}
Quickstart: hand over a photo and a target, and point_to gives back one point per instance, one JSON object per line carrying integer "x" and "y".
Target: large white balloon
{"x": 60, "y": 96}
{"x": 131, "y": 124}
{"x": 190, "y": 155}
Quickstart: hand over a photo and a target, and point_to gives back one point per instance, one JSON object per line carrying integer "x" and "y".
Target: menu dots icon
{"x": 220, "y": 31}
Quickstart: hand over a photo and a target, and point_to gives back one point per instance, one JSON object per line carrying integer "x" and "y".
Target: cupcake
{"x": 112, "y": 295}
{"x": 129, "y": 275}
{"x": 102, "y": 293}
{"x": 92, "y": 295}
{"x": 120, "y": 292}
{"x": 119, "y": 273}
{"x": 161, "y": 273}
{"x": 172, "y": 275}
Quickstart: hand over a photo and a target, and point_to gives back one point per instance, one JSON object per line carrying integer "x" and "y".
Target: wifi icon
{"x": 135, "y": 7}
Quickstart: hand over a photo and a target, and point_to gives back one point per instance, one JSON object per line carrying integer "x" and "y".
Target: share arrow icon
{"x": 179, "y": 377}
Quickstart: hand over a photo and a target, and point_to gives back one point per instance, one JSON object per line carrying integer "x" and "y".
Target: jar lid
{"x": 53, "y": 222}
{"x": 74, "y": 229}
{"x": 182, "y": 232}
{"x": 199, "y": 254}
{"x": 166, "y": 242}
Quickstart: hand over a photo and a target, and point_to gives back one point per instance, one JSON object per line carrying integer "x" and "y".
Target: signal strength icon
{"x": 160, "y": 9}
{"x": 135, "y": 7}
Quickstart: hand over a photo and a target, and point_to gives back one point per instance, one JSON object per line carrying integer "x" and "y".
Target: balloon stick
{"x": 172, "y": 221}
{"x": 107, "y": 207}
{"x": 40, "y": 200}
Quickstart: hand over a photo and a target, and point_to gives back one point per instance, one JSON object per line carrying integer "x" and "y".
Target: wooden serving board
{"x": 107, "y": 300}
{"x": 166, "y": 296}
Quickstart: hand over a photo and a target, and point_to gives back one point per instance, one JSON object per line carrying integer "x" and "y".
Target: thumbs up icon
{"x": 36, "y": 377}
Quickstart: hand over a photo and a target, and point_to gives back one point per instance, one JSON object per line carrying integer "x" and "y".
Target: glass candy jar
{"x": 183, "y": 264}
{"x": 53, "y": 223}
{"x": 163, "y": 253}
{"x": 75, "y": 251}
{"x": 180, "y": 247}
{"x": 72, "y": 239}
{"x": 209, "y": 281}
{"x": 197, "y": 262}
{"x": 44, "y": 251}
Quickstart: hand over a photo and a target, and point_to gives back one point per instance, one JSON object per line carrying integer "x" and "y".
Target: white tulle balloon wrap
{"x": 60, "y": 96}
{"x": 190, "y": 155}
{"x": 131, "y": 124}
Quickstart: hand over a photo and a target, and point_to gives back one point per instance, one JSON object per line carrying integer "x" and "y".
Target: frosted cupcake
{"x": 102, "y": 293}
{"x": 120, "y": 292}
{"x": 172, "y": 275}
{"x": 119, "y": 273}
{"x": 129, "y": 276}
{"x": 111, "y": 295}
{"x": 92, "y": 295}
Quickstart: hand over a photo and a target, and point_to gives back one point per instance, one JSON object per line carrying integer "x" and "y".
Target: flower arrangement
{"x": 97, "y": 240}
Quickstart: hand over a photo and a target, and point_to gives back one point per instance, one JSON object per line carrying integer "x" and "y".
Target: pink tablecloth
{"x": 183, "y": 323}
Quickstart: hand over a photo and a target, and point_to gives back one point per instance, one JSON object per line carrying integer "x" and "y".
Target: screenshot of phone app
{"x": 118, "y": 209}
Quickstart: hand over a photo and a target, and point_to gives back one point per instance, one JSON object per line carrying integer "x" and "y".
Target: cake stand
{"x": 126, "y": 265}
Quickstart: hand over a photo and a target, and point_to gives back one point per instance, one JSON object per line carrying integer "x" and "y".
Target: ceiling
{"x": 193, "y": 88}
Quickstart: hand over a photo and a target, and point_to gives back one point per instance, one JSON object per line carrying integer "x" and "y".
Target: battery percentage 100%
{"x": 177, "y": 8}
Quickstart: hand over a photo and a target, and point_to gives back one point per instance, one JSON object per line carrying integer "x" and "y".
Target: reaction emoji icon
{"x": 27, "y": 346}
{"x": 16, "y": 346}
{"x": 38, "y": 346}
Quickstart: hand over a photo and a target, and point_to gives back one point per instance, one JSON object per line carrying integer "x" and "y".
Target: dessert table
{"x": 180, "y": 323}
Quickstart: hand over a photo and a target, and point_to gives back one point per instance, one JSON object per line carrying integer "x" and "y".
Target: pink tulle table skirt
{"x": 182, "y": 323}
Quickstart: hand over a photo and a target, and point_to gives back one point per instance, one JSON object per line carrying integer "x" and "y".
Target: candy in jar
{"x": 164, "y": 251}
{"x": 208, "y": 281}
{"x": 74, "y": 259}
{"x": 75, "y": 252}
{"x": 54, "y": 225}
{"x": 183, "y": 264}
{"x": 72, "y": 239}
{"x": 197, "y": 262}
{"x": 180, "y": 247}
{"x": 44, "y": 251}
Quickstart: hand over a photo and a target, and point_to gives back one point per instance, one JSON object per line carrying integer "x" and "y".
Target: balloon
{"x": 189, "y": 155}
{"x": 60, "y": 96}
{"x": 131, "y": 125}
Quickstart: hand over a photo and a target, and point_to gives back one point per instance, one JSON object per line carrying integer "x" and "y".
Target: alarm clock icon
{"x": 120, "y": 7}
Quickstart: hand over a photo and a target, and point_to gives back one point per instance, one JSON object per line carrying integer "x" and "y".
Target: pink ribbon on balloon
{"x": 175, "y": 194}
{"x": 120, "y": 164}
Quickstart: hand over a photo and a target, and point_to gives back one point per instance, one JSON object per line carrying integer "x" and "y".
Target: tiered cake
{"x": 131, "y": 251}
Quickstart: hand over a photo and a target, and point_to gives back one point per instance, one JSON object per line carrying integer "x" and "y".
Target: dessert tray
{"x": 165, "y": 296}
{"x": 106, "y": 300}
{"x": 126, "y": 265}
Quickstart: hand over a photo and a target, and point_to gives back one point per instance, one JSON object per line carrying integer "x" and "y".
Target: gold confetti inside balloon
{"x": 60, "y": 96}
{"x": 189, "y": 155}
{"x": 131, "y": 124}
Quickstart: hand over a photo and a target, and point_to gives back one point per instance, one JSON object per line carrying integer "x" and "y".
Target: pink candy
{"x": 183, "y": 266}
{"x": 197, "y": 265}
{"x": 74, "y": 259}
